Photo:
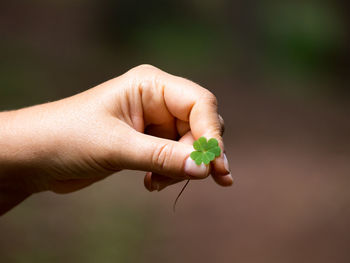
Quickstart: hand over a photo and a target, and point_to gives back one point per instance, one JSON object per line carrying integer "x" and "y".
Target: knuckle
{"x": 161, "y": 156}
{"x": 143, "y": 73}
{"x": 145, "y": 67}
{"x": 210, "y": 98}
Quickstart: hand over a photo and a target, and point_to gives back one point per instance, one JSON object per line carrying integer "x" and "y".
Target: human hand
{"x": 69, "y": 144}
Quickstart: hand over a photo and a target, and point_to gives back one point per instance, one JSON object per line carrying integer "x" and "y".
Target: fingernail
{"x": 148, "y": 181}
{"x": 192, "y": 169}
{"x": 230, "y": 179}
{"x": 227, "y": 166}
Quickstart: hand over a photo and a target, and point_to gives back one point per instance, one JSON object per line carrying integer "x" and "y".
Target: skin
{"x": 66, "y": 145}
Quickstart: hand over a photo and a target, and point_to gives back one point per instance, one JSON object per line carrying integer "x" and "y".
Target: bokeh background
{"x": 280, "y": 70}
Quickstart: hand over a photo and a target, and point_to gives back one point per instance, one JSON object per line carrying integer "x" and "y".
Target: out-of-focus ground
{"x": 281, "y": 74}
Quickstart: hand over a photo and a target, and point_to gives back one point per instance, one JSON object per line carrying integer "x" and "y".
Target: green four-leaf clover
{"x": 205, "y": 151}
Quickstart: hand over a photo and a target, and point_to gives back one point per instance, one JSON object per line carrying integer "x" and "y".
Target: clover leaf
{"x": 205, "y": 151}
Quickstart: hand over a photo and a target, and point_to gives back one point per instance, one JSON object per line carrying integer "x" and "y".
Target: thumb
{"x": 161, "y": 156}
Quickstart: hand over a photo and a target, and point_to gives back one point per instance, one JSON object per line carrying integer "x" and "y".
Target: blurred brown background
{"x": 280, "y": 70}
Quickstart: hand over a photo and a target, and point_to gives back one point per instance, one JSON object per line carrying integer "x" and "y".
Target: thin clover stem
{"x": 205, "y": 152}
{"x": 177, "y": 198}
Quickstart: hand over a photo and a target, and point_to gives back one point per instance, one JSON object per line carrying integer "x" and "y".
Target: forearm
{"x": 17, "y": 154}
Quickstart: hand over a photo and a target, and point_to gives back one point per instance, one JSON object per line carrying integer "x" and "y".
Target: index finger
{"x": 190, "y": 102}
